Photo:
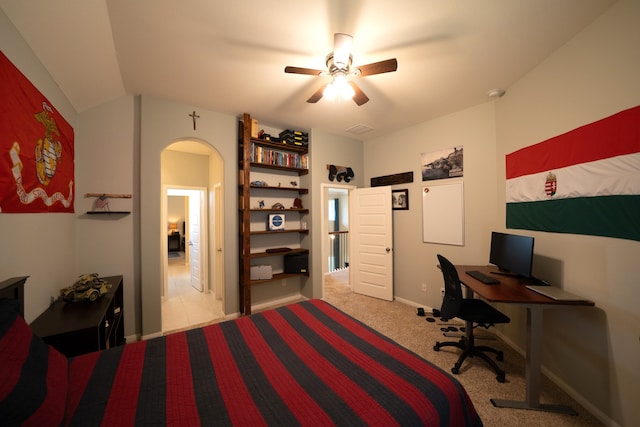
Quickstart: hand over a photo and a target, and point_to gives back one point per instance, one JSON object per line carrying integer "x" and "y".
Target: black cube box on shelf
{"x": 296, "y": 263}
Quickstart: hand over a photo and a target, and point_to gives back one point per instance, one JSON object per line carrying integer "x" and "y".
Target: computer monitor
{"x": 511, "y": 253}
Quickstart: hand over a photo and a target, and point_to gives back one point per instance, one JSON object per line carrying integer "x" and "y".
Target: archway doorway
{"x": 192, "y": 289}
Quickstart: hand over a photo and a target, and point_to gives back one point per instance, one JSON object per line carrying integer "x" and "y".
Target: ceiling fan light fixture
{"x": 339, "y": 68}
{"x": 342, "y": 50}
{"x": 339, "y": 88}
{"x": 347, "y": 92}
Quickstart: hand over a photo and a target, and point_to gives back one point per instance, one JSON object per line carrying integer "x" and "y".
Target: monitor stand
{"x": 505, "y": 273}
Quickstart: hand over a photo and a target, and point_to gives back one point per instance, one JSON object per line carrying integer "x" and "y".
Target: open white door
{"x": 195, "y": 229}
{"x": 218, "y": 268}
{"x": 372, "y": 242}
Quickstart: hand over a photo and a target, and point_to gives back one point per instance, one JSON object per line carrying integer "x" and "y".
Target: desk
{"x": 512, "y": 291}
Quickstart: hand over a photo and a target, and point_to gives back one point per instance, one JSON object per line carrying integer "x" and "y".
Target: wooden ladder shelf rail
{"x": 109, "y": 195}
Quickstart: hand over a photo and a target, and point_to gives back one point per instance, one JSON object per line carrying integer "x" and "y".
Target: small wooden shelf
{"x": 279, "y": 145}
{"x": 276, "y": 277}
{"x": 268, "y": 187}
{"x": 299, "y": 230}
{"x": 108, "y": 212}
{"x": 299, "y": 171}
{"x": 109, "y": 195}
{"x": 269, "y": 254}
{"x": 304, "y": 211}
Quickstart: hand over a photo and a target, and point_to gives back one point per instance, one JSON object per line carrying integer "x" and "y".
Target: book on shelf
{"x": 275, "y": 157}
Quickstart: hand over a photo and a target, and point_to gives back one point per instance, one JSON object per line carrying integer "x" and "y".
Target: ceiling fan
{"x": 340, "y": 70}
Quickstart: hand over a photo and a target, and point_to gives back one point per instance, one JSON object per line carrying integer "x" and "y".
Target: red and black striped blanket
{"x": 307, "y": 363}
{"x": 303, "y": 364}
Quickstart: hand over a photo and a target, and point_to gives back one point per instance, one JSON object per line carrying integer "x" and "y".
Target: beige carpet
{"x": 400, "y": 322}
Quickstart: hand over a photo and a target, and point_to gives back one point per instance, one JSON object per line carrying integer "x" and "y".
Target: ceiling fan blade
{"x": 359, "y": 97}
{"x": 317, "y": 95}
{"x": 341, "y": 49}
{"x": 301, "y": 70}
{"x": 378, "y": 67}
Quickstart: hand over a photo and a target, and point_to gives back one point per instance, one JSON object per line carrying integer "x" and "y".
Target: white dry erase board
{"x": 443, "y": 214}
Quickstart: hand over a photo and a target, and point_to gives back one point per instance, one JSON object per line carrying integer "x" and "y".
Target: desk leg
{"x": 533, "y": 371}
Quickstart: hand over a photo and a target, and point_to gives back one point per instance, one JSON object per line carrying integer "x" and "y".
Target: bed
{"x": 304, "y": 364}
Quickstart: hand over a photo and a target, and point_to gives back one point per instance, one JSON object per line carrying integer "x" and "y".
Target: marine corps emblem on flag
{"x": 36, "y": 148}
{"x": 48, "y": 150}
{"x": 551, "y": 185}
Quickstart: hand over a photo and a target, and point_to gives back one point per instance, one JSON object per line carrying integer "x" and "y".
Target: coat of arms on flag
{"x": 36, "y": 148}
{"x": 586, "y": 181}
{"x": 551, "y": 185}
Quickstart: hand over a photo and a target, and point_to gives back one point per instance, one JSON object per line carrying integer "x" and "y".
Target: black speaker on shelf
{"x": 296, "y": 263}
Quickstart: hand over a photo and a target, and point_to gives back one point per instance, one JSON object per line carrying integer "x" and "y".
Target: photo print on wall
{"x": 447, "y": 163}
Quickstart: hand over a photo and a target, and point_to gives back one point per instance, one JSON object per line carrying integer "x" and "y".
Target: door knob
{"x": 388, "y": 250}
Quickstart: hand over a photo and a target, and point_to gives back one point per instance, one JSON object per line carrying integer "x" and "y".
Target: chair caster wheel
{"x": 500, "y": 357}
{"x": 436, "y": 347}
{"x": 455, "y": 371}
{"x": 500, "y": 378}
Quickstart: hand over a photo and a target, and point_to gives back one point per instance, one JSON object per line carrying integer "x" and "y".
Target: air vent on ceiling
{"x": 359, "y": 129}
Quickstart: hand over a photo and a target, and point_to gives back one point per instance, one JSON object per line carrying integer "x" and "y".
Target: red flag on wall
{"x": 36, "y": 148}
{"x": 585, "y": 181}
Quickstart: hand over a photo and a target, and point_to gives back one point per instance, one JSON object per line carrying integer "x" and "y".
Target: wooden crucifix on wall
{"x": 194, "y": 116}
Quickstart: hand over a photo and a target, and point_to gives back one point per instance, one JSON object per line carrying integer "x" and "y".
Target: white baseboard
{"x": 554, "y": 378}
{"x": 413, "y": 304}
{"x": 563, "y": 385}
{"x": 277, "y": 302}
{"x": 232, "y": 316}
{"x": 154, "y": 335}
{"x": 132, "y": 338}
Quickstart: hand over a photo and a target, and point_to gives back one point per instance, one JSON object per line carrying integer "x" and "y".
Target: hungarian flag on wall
{"x": 586, "y": 181}
{"x": 36, "y": 148}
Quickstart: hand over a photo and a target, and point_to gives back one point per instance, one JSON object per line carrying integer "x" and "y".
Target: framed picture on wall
{"x": 400, "y": 199}
{"x": 447, "y": 163}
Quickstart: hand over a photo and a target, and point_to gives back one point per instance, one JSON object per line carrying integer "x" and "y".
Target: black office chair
{"x": 474, "y": 312}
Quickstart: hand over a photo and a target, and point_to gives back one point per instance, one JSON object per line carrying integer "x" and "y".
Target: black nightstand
{"x": 82, "y": 327}
{"x": 14, "y": 289}
{"x": 174, "y": 242}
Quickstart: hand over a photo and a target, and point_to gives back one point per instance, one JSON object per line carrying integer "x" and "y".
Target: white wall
{"x": 414, "y": 261}
{"x": 43, "y": 245}
{"x": 176, "y": 212}
{"x": 594, "y": 350}
{"x": 591, "y": 352}
{"x": 187, "y": 169}
{"x": 105, "y": 164}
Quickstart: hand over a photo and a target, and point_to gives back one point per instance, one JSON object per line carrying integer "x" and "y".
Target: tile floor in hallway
{"x": 186, "y": 307}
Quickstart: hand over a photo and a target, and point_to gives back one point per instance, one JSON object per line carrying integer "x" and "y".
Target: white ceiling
{"x": 229, "y": 56}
